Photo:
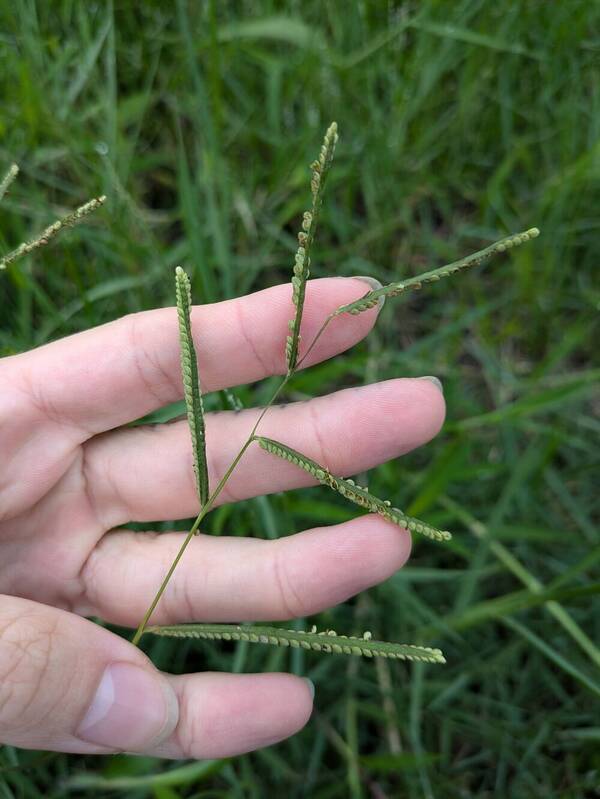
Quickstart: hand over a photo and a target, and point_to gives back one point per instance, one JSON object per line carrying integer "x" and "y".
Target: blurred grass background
{"x": 459, "y": 122}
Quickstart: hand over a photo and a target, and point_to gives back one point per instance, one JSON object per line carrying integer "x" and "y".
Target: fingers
{"x": 146, "y": 474}
{"x": 240, "y": 579}
{"x": 69, "y": 685}
{"x": 118, "y": 372}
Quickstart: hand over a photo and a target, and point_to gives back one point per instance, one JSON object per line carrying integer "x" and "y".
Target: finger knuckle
{"x": 193, "y": 730}
{"x": 290, "y": 599}
{"x": 157, "y": 381}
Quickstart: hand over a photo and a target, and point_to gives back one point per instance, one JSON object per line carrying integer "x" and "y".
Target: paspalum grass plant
{"x": 325, "y": 641}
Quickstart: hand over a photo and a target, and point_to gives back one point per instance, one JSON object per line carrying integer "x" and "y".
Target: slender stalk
{"x": 144, "y": 622}
{"x": 528, "y": 579}
{"x": 204, "y": 511}
{"x": 322, "y": 329}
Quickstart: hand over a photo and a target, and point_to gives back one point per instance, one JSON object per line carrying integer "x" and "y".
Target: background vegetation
{"x": 459, "y": 122}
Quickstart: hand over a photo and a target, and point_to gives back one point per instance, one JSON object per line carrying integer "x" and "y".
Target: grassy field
{"x": 458, "y": 122}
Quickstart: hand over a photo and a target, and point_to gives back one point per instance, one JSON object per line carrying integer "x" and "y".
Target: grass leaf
{"x": 289, "y": 30}
{"x": 371, "y": 299}
{"x": 349, "y": 490}
{"x": 553, "y": 655}
{"x": 191, "y": 383}
{"x": 306, "y": 236}
{"x": 154, "y": 780}
{"x": 327, "y": 641}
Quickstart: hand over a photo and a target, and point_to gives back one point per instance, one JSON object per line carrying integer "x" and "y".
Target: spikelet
{"x": 191, "y": 383}
{"x": 371, "y": 299}
{"x": 319, "y": 170}
{"x": 52, "y": 231}
{"x": 327, "y": 641}
{"x": 348, "y": 489}
{"x": 8, "y": 179}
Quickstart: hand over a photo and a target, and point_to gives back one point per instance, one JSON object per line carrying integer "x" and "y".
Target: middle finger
{"x": 146, "y": 474}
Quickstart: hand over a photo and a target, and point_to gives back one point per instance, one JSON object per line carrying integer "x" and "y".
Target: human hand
{"x": 70, "y": 476}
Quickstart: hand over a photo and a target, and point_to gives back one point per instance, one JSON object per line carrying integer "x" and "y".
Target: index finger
{"x": 118, "y": 372}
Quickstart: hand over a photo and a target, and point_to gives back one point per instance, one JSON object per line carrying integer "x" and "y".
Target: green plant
{"x": 456, "y": 122}
{"x": 327, "y": 641}
{"x": 46, "y": 236}
{"x": 195, "y": 414}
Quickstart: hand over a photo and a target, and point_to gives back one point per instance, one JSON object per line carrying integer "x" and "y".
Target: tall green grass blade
{"x": 371, "y": 299}
{"x": 553, "y": 655}
{"x": 532, "y": 583}
{"x": 415, "y": 714}
{"x": 191, "y": 384}
{"x": 86, "y": 299}
{"x": 473, "y": 37}
{"x": 165, "y": 778}
{"x": 516, "y": 602}
{"x": 572, "y": 386}
{"x": 189, "y": 202}
{"x": 211, "y": 185}
{"x": 351, "y": 491}
{"x": 85, "y": 68}
{"x": 306, "y": 236}
{"x": 328, "y": 641}
{"x": 576, "y": 512}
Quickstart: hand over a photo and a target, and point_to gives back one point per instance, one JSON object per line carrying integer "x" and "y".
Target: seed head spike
{"x": 356, "y": 494}
{"x": 191, "y": 383}
{"x": 371, "y": 298}
{"x": 306, "y": 236}
{"x": 317, "y": 641}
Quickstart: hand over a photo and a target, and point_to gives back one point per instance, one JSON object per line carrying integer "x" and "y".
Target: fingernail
{"x": 311, "y": 686}
{"x": 436, "y": 382}
{"x": 132, "y": 709}
{"x": 373, "y": 285}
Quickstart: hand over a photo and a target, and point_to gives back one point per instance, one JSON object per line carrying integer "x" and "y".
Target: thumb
{"x": 69, "y": 685}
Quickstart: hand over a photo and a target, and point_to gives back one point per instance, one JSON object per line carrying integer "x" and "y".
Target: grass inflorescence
{"x": 52, "y": 231}
{"x": 354, "y": 493}
{"x": 371, "y": 299}
{"x": 319, "y": 170}
{"x": 459, "y": 121}
{"x": 191, "y": 384}
{"x": 327, "y": 642}
{"x": 346, "y": 488}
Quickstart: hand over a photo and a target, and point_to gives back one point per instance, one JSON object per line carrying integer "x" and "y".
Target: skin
{"x": 71, "y": 475}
